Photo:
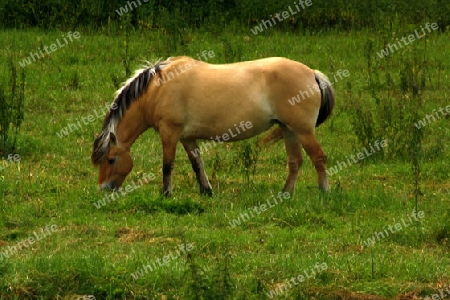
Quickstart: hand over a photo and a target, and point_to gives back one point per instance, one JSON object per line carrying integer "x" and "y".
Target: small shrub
{"x": 247, "y": 158}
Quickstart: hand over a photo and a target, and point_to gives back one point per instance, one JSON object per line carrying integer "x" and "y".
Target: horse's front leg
{"x": 169, "y": 140}
{"x": 193, "y": 152}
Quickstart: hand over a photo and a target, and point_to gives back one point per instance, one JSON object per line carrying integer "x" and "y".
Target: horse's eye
{"x": 111, "y": 161}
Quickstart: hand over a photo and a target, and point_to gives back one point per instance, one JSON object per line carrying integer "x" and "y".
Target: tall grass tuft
{"x": 233, "y": 52}
{"x": 247, "y": 158}
{"x": 395, "y": 98}
{"x": 412, "y": 83}
{"x": 125, "y": 26}
{"x": 12, "y": 102}
{"x": 217, "y": 284}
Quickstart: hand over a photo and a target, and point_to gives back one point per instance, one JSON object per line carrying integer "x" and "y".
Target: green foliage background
{"x": 342, "y": 14}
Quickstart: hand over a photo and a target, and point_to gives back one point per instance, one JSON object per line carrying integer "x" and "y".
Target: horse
{"x": 186, "y": 100}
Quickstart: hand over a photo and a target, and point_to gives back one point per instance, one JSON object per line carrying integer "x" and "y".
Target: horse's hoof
{"x": 206, "y": 192}
{"x": 166, "y": 193}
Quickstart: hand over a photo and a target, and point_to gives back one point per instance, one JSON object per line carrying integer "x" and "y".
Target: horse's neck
{"x": 131, "y": 126}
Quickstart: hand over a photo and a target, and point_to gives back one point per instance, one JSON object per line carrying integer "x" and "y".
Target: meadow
{"x": 382, "y": 232}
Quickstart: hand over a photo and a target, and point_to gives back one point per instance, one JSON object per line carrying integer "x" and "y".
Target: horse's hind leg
{"x": 193, "y": 152}
{"x": 318, "y": 157}
{"x": 295, "y": 159}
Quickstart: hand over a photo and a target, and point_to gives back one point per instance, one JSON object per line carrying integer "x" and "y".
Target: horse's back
{"x": 221, "y": 95}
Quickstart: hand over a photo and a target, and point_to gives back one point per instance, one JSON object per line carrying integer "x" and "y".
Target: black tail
{"x": 327, "y": 92}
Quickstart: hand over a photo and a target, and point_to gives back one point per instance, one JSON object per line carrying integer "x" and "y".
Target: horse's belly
{"x": 234, "y": 131}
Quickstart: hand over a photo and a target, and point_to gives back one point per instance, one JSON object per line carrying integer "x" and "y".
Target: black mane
{"x": 128, "y": 93}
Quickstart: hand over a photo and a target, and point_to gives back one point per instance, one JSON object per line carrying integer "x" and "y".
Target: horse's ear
{"x": 112, "y": 139}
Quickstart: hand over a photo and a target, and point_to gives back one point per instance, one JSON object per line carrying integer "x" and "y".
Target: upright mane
{"x": 128, "y": 93}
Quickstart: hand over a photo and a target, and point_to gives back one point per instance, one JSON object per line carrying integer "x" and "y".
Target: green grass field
{"x": 195, "y": 251}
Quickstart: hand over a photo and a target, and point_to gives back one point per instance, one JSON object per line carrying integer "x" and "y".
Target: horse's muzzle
{"x": 111, "y": 185}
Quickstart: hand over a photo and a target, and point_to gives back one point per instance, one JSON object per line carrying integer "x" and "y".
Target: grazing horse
{"x": 185, "y": 100}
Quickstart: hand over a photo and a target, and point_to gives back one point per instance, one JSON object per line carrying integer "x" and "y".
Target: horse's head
{"x": 114, "y": 162}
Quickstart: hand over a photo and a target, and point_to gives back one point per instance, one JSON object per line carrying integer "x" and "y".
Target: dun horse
{"x": 186, "y": 100}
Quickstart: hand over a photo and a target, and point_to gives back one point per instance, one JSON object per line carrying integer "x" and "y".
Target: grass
{"x": 95, "y": 251}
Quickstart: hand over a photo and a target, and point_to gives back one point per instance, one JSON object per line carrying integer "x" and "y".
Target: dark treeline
{"x": 321, "y": 14}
